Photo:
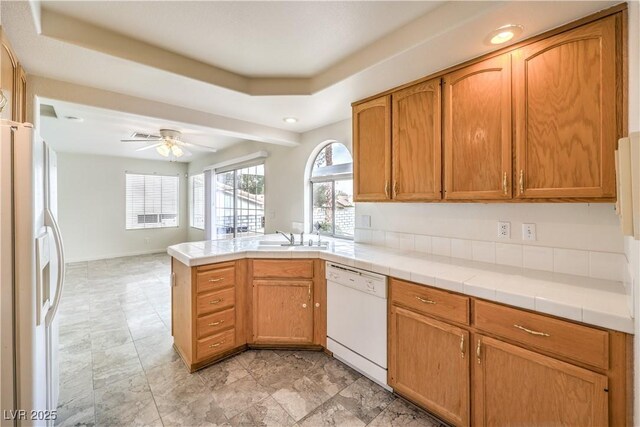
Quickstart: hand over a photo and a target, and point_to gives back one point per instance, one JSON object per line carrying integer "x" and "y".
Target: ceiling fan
{"x": 168, "y": 144}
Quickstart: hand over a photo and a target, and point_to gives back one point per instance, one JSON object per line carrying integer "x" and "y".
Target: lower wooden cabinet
{"x": 507, "y": 366}
{"x": 429, "y": 363}
{"x": 514, "y": 386}
{"x": 282, "y": 311}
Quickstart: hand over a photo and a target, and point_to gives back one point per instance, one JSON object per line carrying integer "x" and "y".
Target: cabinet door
{"x": 429, "y": 364}
{"x": 514, "y": 386}
{"x": 282, "y": 312}
{"x": 372, "y": 150}
{"x": 8, "y": 67}
{"x": 565, "y": 114}
{"x": 416, "y": 142}
{"x": 477, "y": 131}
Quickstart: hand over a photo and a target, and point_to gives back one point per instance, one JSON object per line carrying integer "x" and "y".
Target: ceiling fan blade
{"x": 141, "y": 140}
{"x": 193, "y": 144}
{"x": 150, "y": 146}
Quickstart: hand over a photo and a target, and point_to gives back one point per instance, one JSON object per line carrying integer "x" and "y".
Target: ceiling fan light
{"x": 163, "y": 150}
{"x": 177, "y": 151}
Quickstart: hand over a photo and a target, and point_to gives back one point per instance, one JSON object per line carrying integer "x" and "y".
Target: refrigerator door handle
{"x": 50, "y": 221}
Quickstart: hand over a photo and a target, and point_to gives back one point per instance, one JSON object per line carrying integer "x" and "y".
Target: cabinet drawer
{"x": 216, "y": 344}
{"x": 216, "y": 322}
{"x": 215, "y": 301}
{"x": 580, "y": 343}
{"x": 431, "y": 301}
{"x": 299, "y": 269}
{"x": 215, "y": 279}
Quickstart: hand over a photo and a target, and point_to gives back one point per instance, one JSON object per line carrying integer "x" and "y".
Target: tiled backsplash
{"x": 596, "y": 264}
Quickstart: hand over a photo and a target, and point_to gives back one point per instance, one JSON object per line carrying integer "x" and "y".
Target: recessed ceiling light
{"x": 504, "y": 33}
{"x": 290, "y": 120}
{"x": 73, "y": 118}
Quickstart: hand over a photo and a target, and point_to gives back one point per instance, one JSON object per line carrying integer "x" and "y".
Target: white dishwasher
{"x": 357, "y": 319}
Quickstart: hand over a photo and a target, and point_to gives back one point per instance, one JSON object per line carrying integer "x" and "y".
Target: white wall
{"x": 91, "y": 203}
{"x": 284, "y": 171}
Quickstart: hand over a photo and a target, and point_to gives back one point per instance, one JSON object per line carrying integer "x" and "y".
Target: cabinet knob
{"x": 304, "y": 305}
{"x": 317, "y": 304}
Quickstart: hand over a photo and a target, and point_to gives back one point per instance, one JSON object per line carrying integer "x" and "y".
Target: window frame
{"x": 235, "y": 168}
{"x": 192, "y": 200}
{"x": 332, "y": 178}
{"x": 126, "y": 201}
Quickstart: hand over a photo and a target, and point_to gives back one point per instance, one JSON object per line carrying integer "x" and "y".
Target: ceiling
{"x": 100, "y": 131}
{"x": 275, "y": 39}
{"x": 254, "y": 63}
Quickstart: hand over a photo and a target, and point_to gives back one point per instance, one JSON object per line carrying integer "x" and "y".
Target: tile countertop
{"x": 596, "y": 302}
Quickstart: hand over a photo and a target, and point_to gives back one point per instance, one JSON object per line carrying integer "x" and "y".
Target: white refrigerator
{"x": 31, "y": 278}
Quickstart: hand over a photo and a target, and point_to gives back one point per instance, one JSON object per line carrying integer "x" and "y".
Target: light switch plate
{"x": 504, "y": 229}
{"x": 529, "y": 232}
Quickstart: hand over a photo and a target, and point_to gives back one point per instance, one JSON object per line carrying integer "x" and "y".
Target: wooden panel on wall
{"x": 416, "y": 142}
{"x": 372, "y": 150}
{"x": 565, "y": 113}
{"x": 477, "y": 130}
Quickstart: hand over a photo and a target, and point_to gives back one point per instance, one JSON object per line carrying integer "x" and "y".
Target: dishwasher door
{"x": 357, "y": 320}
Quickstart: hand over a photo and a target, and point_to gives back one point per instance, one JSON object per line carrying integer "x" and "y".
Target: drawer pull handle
{"x": 216, "y": 301}
{"x": 462, "y": 346}
{"x": 219, "y": 279}
{"x": 478, "y": 351}
{"x": 504, "y": 184}
{"x": 218, "y": 344}
{"x": 219, "y": 322}
{"x": 529, "y": 331}
{"x": 425, "y": 300}
{"x": 521, "y": 181}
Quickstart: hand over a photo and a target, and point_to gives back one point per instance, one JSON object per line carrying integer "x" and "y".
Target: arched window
{"x": 331, "y": 186}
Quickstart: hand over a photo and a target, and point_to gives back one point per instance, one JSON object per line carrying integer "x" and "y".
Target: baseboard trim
{"x": 120, "y": 255}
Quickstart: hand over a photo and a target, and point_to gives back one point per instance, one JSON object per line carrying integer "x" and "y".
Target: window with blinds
{"x": 196, "y": 202}
{"x": 152, "y": 201}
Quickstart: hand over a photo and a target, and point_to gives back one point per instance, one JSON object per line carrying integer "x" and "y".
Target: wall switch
{"x": 529, "y": 232}
{"x": 504, "y": 229}
{"x": 364, "y": 221}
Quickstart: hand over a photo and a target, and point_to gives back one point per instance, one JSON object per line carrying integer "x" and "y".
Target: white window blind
{"x": 152, "y": 201}
{"x": 196, "y": 194}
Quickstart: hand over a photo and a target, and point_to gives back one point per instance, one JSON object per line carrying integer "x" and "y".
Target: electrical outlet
{"x": 528, "y": 232}
{"x": 504, "y": 229}
{"x": 365, "y": 221}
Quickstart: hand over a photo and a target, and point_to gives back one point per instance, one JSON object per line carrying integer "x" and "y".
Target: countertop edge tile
{"x": 522, "y": 287}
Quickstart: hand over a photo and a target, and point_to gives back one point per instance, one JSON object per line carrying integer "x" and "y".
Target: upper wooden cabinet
{"x": 565, "y": 113}
{"x": 372, "y": 150}
{"x": 539, "y": 121}
{"x": 416, "y": 142}
{"x": 477, "y": 131}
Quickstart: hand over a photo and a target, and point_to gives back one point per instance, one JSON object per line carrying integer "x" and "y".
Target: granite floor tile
{"x": 76, "y": 411}
{"x": 267, "y": 413}
{"x": 109, "y": 338}
{"x": 173, "y": 386}
{"x": 237, "y": 397}
{"x": 365, "y": 399}
{"x": 126, "y": 402}
{"x": 333, "y": 376}
{"x": 223, "y": 373}
{"x": 114, "y": 364}
{"x": 331, "y": 414}
{"x": 203, "y": 411}
{"x": 302, "y": 397}
{"x": 403, "y": 414}
{"x": 156, "y": 350}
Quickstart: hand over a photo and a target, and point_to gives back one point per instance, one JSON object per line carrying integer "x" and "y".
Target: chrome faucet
{"x": 290, "y": 237}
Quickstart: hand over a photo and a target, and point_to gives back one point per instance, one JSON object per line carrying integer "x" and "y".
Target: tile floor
{"x": 118, "y": 367}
